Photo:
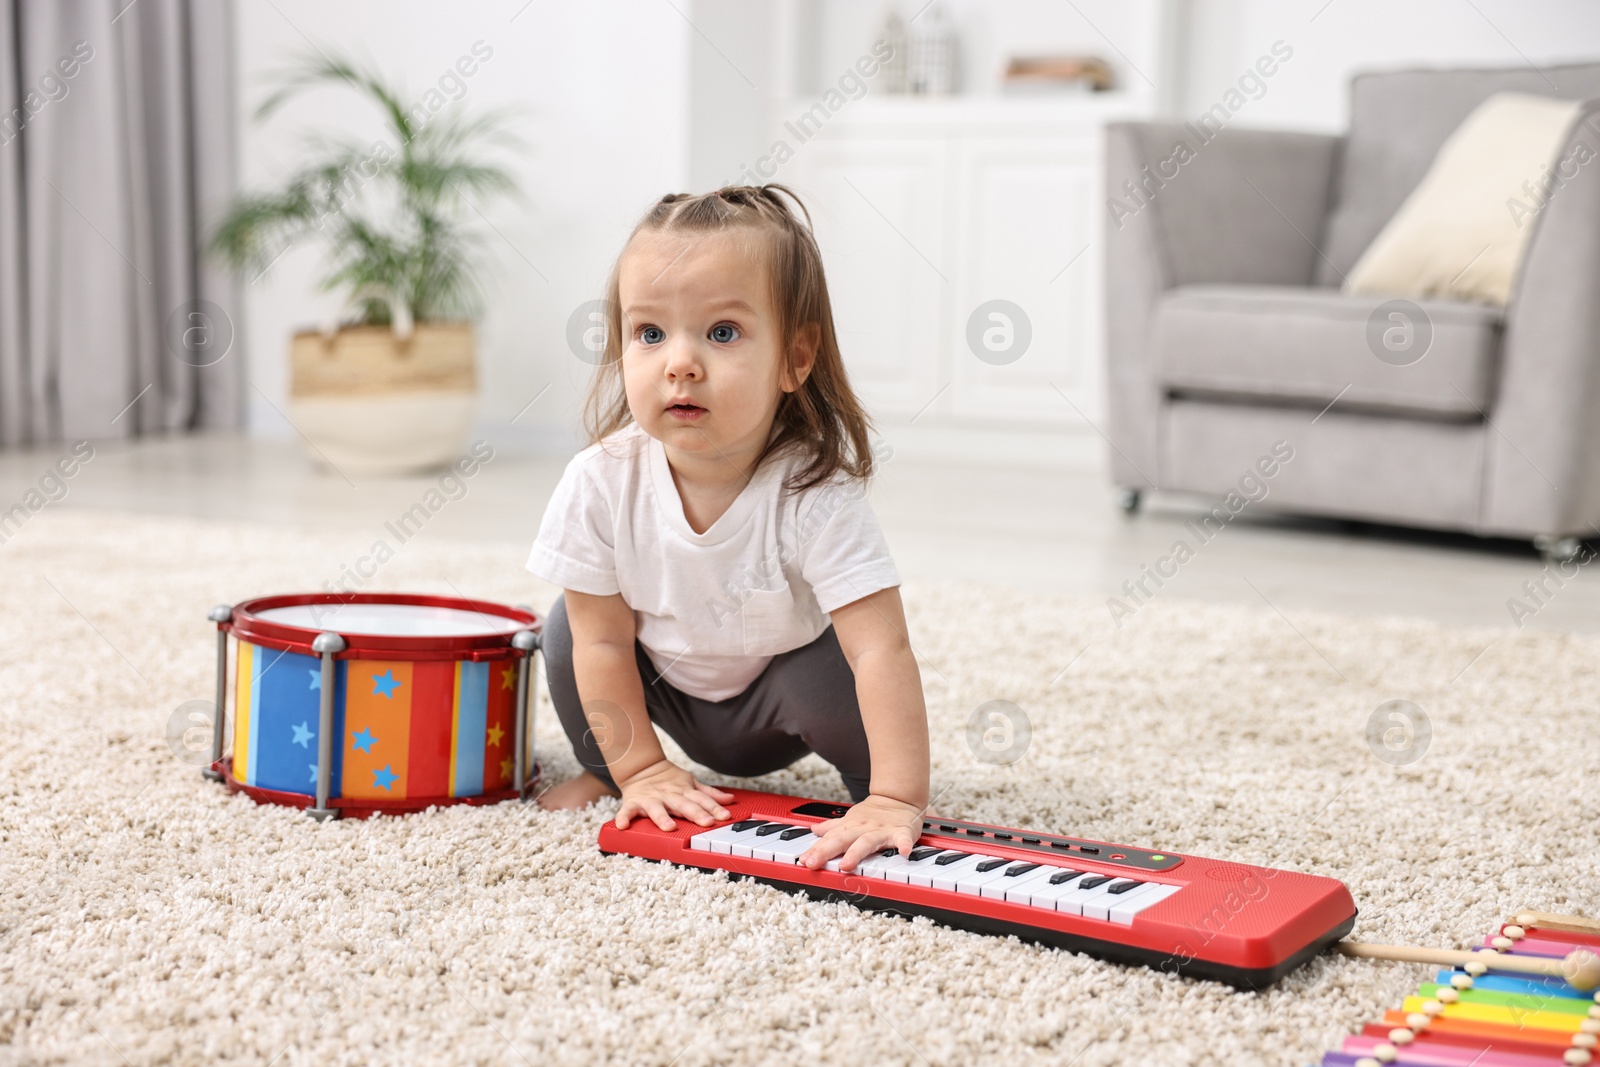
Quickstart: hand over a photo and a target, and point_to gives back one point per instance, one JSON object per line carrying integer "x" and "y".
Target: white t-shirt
{"x": 713, "y": 608}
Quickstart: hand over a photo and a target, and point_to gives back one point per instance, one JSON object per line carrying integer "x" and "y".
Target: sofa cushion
{"x": 1291, "y": 345}
{"x": 1455, "y": 238}
{"x": 1398, "y": 121}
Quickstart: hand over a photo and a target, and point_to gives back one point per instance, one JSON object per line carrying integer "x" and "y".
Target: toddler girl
{"x": 723, "y": 574}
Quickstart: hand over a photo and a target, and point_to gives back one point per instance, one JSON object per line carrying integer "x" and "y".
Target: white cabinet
{"x": 927, "y": 210}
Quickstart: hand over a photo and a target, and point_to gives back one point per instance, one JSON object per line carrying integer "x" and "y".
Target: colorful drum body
{"x": 424, "y": 710}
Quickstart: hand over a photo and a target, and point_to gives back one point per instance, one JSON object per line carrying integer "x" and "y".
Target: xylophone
{"x": 1525, "y": 999}
{"x": 1237, "y": 923}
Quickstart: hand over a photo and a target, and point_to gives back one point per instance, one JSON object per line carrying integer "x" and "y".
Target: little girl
{"x": 723, "y": 575}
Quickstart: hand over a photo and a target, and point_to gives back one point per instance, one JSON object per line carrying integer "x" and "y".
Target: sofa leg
{"x": 1128, "y": 500}
{"x": 1558, "y": 549}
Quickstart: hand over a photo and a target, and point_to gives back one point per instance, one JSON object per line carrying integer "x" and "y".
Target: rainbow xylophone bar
{"x": 1481, "y": 1015}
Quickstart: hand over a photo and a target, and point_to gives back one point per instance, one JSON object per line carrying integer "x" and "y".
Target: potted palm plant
{"x": 393, "y": 388}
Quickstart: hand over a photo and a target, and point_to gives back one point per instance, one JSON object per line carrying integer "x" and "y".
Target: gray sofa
{"x": 1227, "y": 332}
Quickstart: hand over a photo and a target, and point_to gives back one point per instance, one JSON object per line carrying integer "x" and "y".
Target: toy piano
{"x": 1240, "y": 924}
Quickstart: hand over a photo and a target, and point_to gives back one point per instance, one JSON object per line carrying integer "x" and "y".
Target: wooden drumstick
{"x": 1580, "y": 968}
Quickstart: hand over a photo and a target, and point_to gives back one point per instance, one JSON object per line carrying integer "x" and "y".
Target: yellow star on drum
{"x": 505, "y": 768}
{"x": 508, "y": 678}
{"x": 495, "y": 734}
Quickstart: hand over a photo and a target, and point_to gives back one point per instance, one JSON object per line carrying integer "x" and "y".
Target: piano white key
{"x": 1152, "y": 893}
{"x": 1073, "y": 903}
{"x": 875, "y": 865}
{"x": 997, "y": 889}
{"x": 975, "y": 879}
{"x": 924, "y": 873}
{"x": 1101, "y": 907}
{"x": 786, "y": 851}
{"x": 1021, "y": 888}
{"x": 947, "y": 876}
{"x": 1045, "y": 894}
{"x": 719, "y": 840}
{"x": 760, "y": 847}
{"x": 904, "y": 866}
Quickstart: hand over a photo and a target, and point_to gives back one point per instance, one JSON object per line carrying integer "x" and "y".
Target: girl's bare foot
{"x": 577, "y": 792}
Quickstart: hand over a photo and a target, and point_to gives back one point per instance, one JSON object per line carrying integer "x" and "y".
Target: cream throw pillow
{"x": 1461, "y": 233}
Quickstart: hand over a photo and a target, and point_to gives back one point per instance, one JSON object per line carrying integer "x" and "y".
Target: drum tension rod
{"x": 525, "y": 641}
{"x": 222, "y": 615}
{"x": 326, "y": 645}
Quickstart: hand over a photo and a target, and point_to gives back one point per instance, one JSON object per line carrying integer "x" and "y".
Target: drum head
{"x": 385, "y": 625}
{"x": 392, "y": 620}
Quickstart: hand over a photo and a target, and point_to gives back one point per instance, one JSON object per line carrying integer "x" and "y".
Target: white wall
{"x": 606, "y": 88}
{"x": 626, "y": 100}
{"x": 1333, "y": 40}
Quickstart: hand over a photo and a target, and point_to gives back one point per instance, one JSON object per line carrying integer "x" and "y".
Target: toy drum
{"x": 357, "y": 704}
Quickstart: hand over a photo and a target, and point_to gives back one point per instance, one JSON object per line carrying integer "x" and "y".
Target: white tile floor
{"x": 1049, "y": 529}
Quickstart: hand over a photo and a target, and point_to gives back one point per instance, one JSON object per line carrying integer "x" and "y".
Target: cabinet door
{"x": 1026, "y": 234}
{"x": 877, "y": 209}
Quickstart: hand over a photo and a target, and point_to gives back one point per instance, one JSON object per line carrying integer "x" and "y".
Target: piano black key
{"x": 920, "y": 854}
{"x": 1064, "y": 876}
{"x": 745, "y": 824}
{"x": 772, "y": 828}
{"x": 794, "y": 832}
{"x": 988, "y": 865}
{"x": 1090, "y": 849}
{"x": 975, "y": 833}
{"x": 946, "y": 826}
{"x": 1002, "y": 837}
{"x": 1123, "y": 886}
{"x": 951, "y": 857}
{"x": 1094, "y": 880}
{"x": 1030, "y": 840}
{"x": 1021, "y": 868}
{"x": 1061, "y": 844}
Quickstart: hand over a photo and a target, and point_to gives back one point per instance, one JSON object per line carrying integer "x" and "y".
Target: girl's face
{"x": 702, "y": 361}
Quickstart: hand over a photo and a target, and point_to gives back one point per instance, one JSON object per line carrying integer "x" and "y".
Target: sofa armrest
{"x": 1543, "y": 462}
{"x": 1243, "y": 206}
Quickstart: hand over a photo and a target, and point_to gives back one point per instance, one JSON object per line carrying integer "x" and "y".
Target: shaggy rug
{"x": 147, "y": 917}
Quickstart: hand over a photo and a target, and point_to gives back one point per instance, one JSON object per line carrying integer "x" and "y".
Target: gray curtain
{"x": 116, "y": 146}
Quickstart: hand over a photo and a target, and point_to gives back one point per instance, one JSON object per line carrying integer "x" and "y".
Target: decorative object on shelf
{"x": 392, "y": 388}
{"x": 931, "y": 53}
{"x": 892, "y": 71}
{"x": 1039, "y": 75}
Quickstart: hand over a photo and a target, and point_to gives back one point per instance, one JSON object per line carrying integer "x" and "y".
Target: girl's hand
{"x": 663, "y": 790}
{"x": 868, "y": 827}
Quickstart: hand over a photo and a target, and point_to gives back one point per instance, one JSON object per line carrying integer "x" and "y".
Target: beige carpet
{"x": 148, "y": 918}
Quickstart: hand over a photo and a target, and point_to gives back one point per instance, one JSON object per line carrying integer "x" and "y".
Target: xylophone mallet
{"x": 1580, "y": 968}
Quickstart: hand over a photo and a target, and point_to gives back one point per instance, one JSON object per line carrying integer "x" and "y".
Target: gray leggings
{"x": 805, "y": 701}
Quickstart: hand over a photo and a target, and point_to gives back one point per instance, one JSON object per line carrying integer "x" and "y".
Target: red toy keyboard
{"x": 1244, "y": 925}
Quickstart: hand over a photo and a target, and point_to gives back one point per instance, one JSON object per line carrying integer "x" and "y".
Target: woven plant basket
{"x": 370, "y": 403}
